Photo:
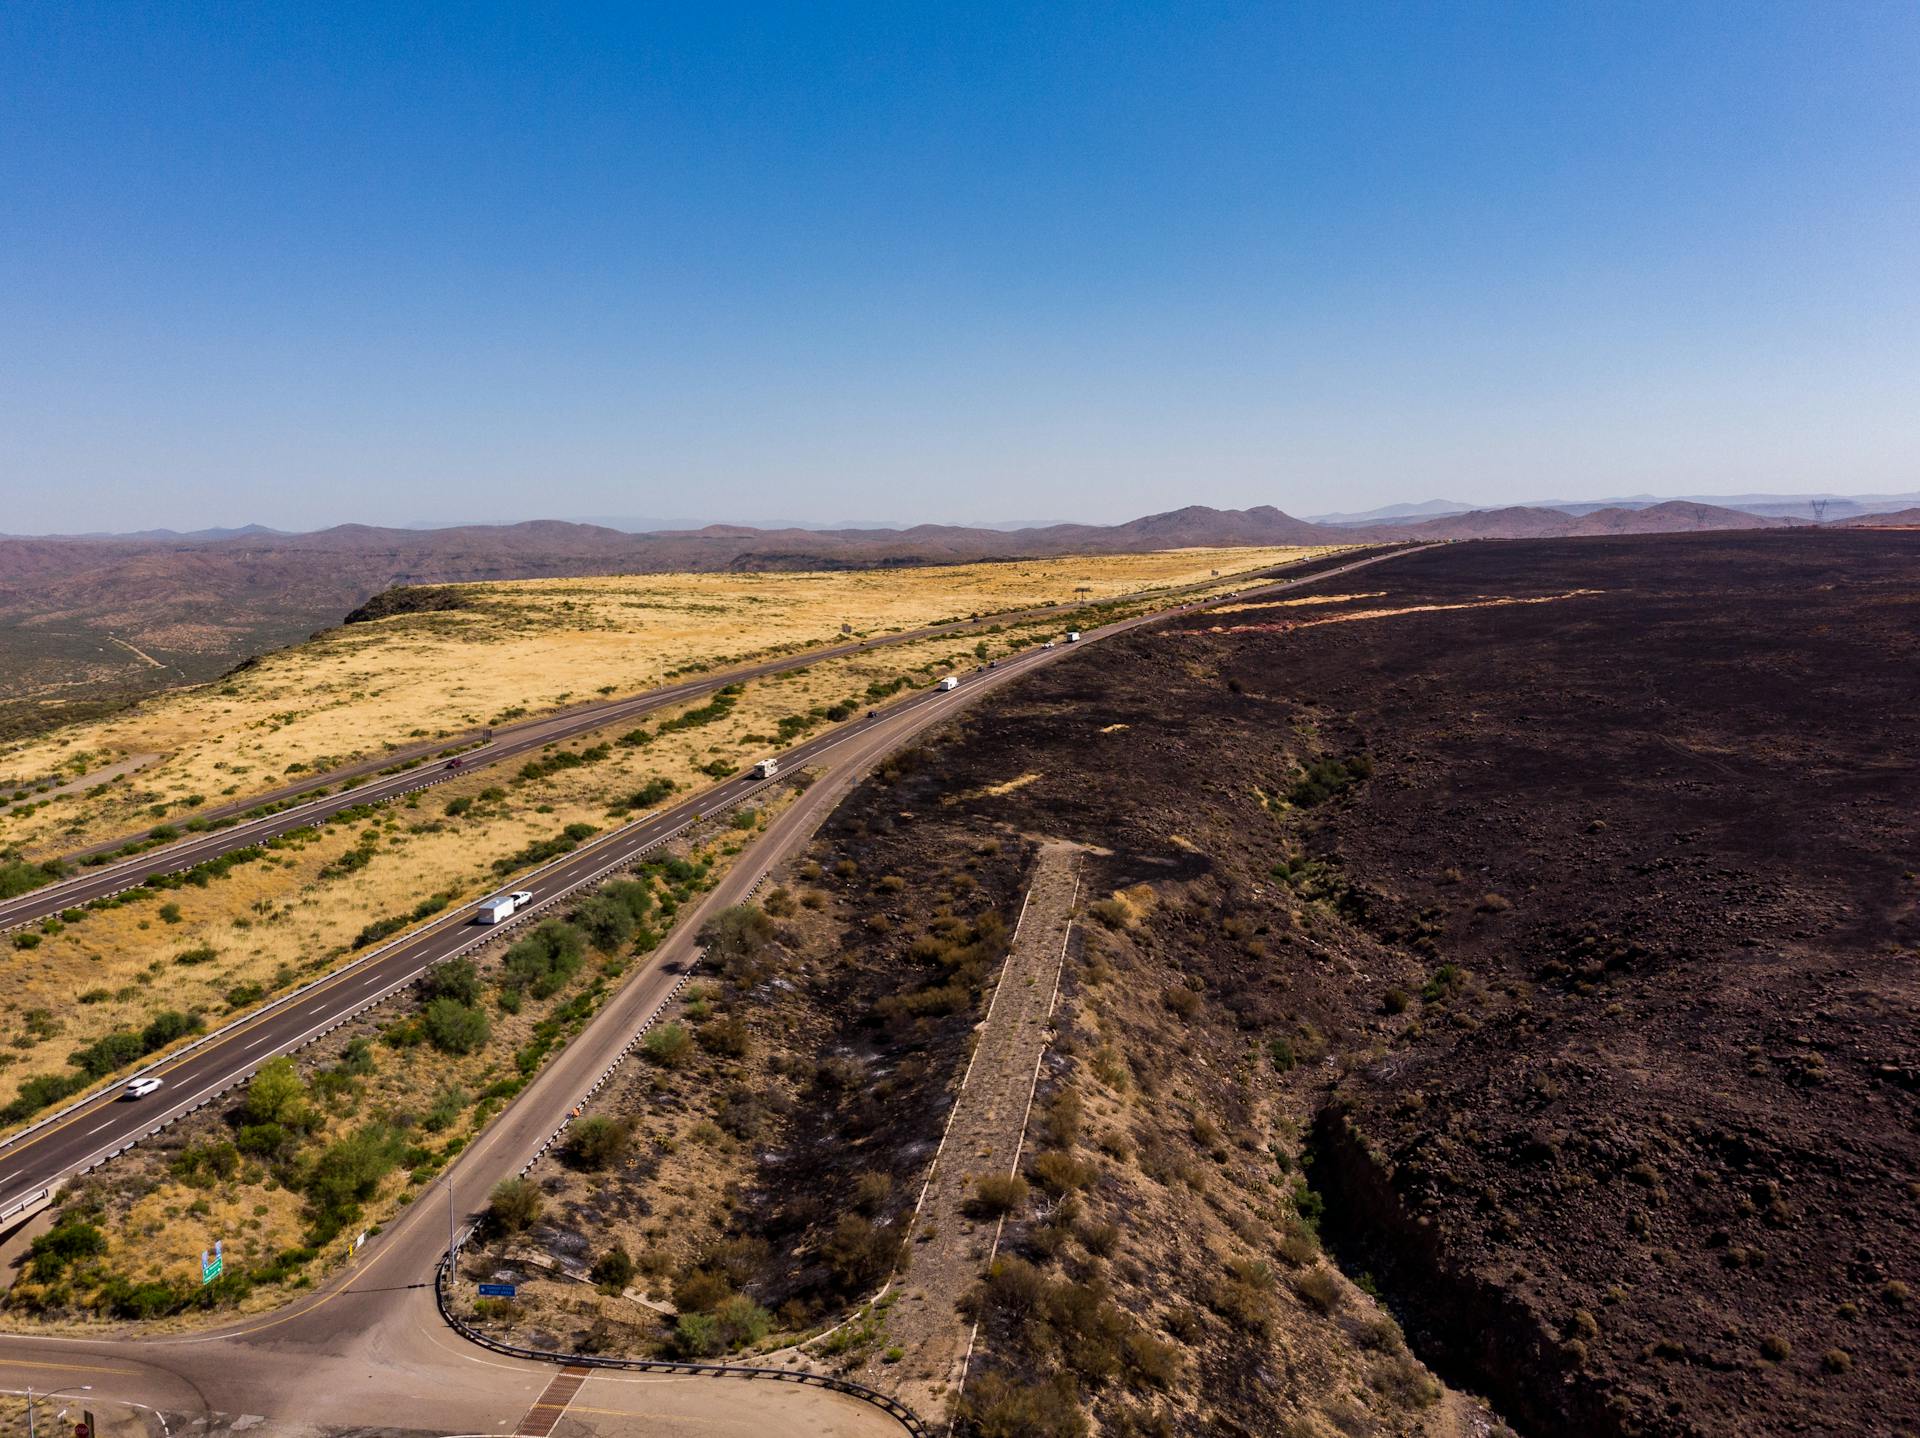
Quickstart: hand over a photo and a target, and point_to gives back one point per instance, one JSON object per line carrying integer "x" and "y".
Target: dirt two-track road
{"x": 369, "y": 1351}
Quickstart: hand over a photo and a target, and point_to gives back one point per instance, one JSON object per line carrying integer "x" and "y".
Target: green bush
{"x": 613, "y": 1270}
{"x": 697, "y": 1335}
{"x": 667, "y": 1045}
{"x": 596, "y": 1143}
{"x": 456, "y": 979}
{"x": 995, "y": 1195}
{"x": 454, "y": 1027}
{"x": 71, "y": 1239}
{"x": 545, "y": 960}
{"x": 1327, "y": 779}
{"x": 275, "y": 1092}
{"x": 346, "y": 1174}
{"x": 515, "y": 1205}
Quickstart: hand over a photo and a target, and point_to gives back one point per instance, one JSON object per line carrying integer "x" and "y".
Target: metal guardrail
{"x": 22, "y": 1204}
{"x": 444, "y": 1275}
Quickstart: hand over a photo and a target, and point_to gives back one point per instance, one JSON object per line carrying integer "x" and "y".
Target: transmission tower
{"x": 1819, "y": 511}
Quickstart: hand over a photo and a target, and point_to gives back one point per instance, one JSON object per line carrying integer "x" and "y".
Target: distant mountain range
{"x": 1785, "y": 506}
{"x": 79, "y": 613}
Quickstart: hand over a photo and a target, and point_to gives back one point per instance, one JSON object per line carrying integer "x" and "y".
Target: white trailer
{"x": 949, "y": 683}
{"x": 502, "y": 907}
{"x": 1073, "y": 636}
{"x": 766, "y": 768}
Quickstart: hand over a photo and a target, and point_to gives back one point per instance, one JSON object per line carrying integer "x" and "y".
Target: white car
{"x": 141, "y": 1087}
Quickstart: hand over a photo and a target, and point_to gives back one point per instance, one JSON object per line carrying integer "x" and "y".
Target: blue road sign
{"x": 496, "y": 1290}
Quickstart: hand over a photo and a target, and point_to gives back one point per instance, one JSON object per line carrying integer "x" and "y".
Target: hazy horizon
{"x": 299, "y": 267}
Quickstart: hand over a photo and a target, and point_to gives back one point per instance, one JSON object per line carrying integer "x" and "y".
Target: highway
{"x": 507, "y": 743}
{"x": 369, "y": 1348}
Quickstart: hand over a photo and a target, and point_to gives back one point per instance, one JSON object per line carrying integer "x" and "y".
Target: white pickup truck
{"x": 502, "y": 907}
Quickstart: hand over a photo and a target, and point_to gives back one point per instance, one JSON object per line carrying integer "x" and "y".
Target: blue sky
{"x": 306, "y": 264}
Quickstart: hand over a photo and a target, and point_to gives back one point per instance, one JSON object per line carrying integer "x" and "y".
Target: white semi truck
{"x": 502, "y": 907}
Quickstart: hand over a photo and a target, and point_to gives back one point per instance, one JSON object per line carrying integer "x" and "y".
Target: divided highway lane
{"x": 507, "y": 743}
{"x": 44, "y": 1157}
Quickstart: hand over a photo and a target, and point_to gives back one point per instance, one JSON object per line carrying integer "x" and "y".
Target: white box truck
{"x": 949, "y": 683}
{"x": 1073, "y": 636}
{"x": 766, "y": 768}
{"x": 502, "y": 907}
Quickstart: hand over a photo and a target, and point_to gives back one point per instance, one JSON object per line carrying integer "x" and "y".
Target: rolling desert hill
{"x": 1898, "y": 519}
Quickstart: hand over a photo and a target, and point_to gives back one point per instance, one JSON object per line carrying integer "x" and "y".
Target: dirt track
{"x": 983, "y": 1138}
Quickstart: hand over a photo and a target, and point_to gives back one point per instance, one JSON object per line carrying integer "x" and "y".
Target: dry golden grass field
{"x": 523, "y": 648}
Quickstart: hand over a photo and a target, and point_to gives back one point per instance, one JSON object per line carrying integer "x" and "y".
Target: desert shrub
{"x": 606, "y": 922}
{"x": 726, "y": 1035}
{"x": 596, "y": 1143}
{"x": 1836, "y": 1360}
{"x": 860, "y": 1253}
{"x": 1182, "y": 1000}
{"x": 871, "y": 1192}
{"x": 447, "y": 1106}
{"x": 1243, "y": 1297}
{"x": 697, "y": 1335}
{"x": 1401, "y": 1381}
{"x": 456, "y": 979}
{"x": 1327, "y": 779}
{"x": 995, "y": 1195}
{"x": 1066, "y": 1116}
{"x": 263, "y": 1140}
{"x": 69, "y": 1240}
{"x": 1110, "y": 912}
{"x": 667, "y": 1045}
{"x": 736, "y": 941}
{"x": 741, "y": 1321}
{"x": 1149, "y": 1360}
{"x": 544, "y": 961}
{"x": 1059, "y": 1172}
{"x": 1100, "y": 1239}
{"x": 275, "y": 1093}
{"x": 613, "y": 1270}
{"x": 540, "y": 850}
{"x": 454, "y": 1027}
{"x": 1319, "y": 1289}
{"x": 1775, "y": 1348}
{"x": 1000, "y": 1407}
{"x": 515, "y": 1205}
{"x": 346, "y": 1174}
{"x": 18, "y": 877}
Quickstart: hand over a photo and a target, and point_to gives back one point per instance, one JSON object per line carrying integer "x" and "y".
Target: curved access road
{"x": 504, "y": 744}
{"x": 369, "y": 1348}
